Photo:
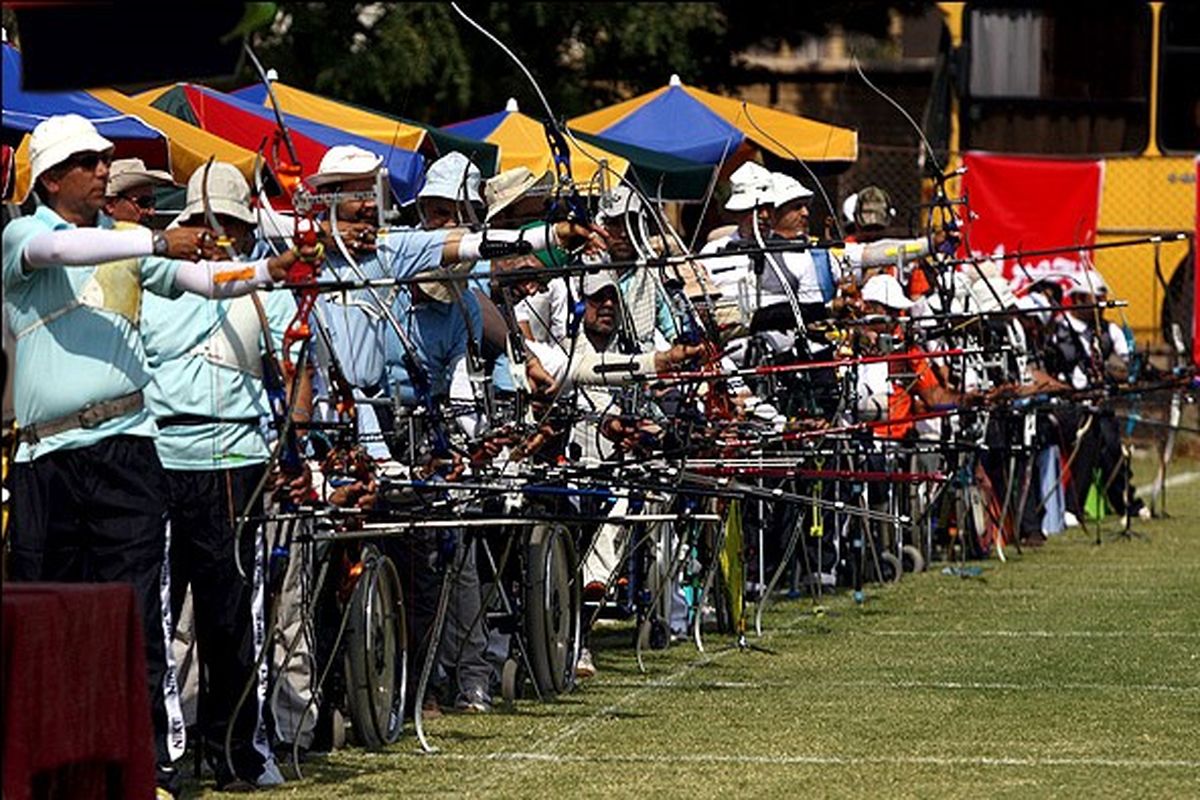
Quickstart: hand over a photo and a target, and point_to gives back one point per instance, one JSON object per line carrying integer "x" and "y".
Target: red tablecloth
{"x": 76, "y": 706}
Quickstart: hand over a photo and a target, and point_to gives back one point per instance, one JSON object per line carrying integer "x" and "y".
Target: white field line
{"x": 1180, "y": 479}
{"x": 831, "y": 760}
{"x": 546, "y": 746}
{"x": 1032, "y": 634}
{"x": 946, "y": 685}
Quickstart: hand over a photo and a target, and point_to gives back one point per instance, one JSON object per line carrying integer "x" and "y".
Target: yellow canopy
{"x": 522, "y": 143}
{"x": 348, "y": 118}
{"x": 189, "y": 147}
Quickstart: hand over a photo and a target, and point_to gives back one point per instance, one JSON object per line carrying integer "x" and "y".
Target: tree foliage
{"x": 421, "y": 60}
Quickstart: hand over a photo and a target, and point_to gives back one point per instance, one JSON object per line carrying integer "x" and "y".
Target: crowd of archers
{"x": 359, "y": 472}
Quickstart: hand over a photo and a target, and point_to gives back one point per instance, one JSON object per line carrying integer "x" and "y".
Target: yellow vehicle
{"x": 1112, "y": 81}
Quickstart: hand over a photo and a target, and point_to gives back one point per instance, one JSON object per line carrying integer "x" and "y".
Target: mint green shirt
{"x": 76, "y": 331}
{"x": 180, "y": 338}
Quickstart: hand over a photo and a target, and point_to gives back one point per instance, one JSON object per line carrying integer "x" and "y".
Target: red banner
{"x": 1023, "y": 204}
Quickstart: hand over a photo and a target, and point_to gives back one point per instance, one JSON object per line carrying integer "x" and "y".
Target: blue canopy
{"x": 658, "y": 125}
{"x": 24, "y": 110}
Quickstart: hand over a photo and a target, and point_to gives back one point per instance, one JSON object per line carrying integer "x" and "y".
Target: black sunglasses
{"x": 89, "y": 160}
{"x": 141, "y": 201}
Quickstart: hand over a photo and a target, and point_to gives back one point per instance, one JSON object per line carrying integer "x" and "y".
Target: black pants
{"x": 98, "y": 514}
{"x": 203, "y": 506}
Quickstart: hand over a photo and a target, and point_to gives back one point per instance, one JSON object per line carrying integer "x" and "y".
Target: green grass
{"x": 1070, "y": 671}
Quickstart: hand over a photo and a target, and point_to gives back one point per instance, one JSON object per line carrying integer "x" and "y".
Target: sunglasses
{"x": 141, "y": 201}
{"x": 89, "y": 160}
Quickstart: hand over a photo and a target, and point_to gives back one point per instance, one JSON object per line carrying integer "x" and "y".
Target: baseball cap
{"x": 620, "y": 201}
{"x": 345, "y": 162}
{"x": 57, "y": 138}
{"x": 597, "y": 282}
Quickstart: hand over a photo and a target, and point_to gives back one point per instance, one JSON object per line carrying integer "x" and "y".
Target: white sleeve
{"x": 216, "y": 279}
{"x": 84, "y": 247}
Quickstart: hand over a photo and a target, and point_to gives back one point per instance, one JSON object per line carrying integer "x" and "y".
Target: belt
{"x": 90, "y": 416}
{"x": 185, "y": 420}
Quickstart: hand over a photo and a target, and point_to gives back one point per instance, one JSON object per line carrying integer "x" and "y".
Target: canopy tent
{"x": 660, "y": 176}
{"x": 249, "y": 125}
{"x": 701, "y": 126}
{"x": 522, "y": 141}
{"x": 24, "y": 110}
{"x": 383, "y": 128}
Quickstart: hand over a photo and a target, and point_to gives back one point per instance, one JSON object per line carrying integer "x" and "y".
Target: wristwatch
{"x": 161, "y": 247}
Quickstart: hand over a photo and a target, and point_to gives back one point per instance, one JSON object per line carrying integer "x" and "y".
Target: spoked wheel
{"x": 552, "y": 608}
{"x": 376, "y": 654}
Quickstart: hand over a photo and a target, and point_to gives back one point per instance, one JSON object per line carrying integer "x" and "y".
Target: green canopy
{"x": 659, "y": 175}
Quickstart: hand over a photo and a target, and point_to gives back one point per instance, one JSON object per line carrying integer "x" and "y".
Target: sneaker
{"x": 270, "y": 776}
{"x": 585, "y": 668}
{"x": 1070, "y": 520}
{"x": 474, "y": 701}
{"x": 594, "y": 592}
{"x": 1144, "y": 512}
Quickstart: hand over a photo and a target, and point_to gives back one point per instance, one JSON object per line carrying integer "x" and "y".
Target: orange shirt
{"x": 900, "y": 398}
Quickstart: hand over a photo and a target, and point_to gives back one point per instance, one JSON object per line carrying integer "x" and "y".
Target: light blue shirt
{"x": 187, "y": 382}
{"x": 358, "y": 329}
{"x": 438, "y": 333}
{"x": 77, "y": 335}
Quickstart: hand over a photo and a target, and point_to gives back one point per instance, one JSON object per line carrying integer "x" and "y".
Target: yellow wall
{"x": 1142, "y": 195}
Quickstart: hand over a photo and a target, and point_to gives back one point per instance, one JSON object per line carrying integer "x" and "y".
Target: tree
{"x": 422, "y": 60}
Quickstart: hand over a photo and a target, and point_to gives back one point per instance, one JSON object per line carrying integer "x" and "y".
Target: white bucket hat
{"x": 56, "y": 139}
{"x": 345, "y": 162}
{"x": 785, "y": 189}
{"x": 450, "y": 177}
{"x": 228, "y": 193}
{"x": 129, "y": 173}
{"x": 752, "y": 186}
{"x": 887, "y": 291}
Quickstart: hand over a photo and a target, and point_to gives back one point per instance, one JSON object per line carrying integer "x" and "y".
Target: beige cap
{"x": 56, "y": 139}
{"x": 506, "y": 188}
{"x": 228, "y": 193}
{"x": 129, "y": 173}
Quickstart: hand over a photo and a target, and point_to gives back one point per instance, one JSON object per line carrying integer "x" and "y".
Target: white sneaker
{"x": 1070, "y": 520}
{"x": 1145, "y": 513}
{"x": 585, "y": 668}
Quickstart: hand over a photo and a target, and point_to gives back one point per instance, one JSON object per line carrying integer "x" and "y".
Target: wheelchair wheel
{"x": 552, "y": 608}
{"x": 911, "y": 559}
{"x": 376, "y": 654}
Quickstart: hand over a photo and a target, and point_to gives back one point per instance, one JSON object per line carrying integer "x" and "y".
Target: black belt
{"x": 188, "y": 420}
